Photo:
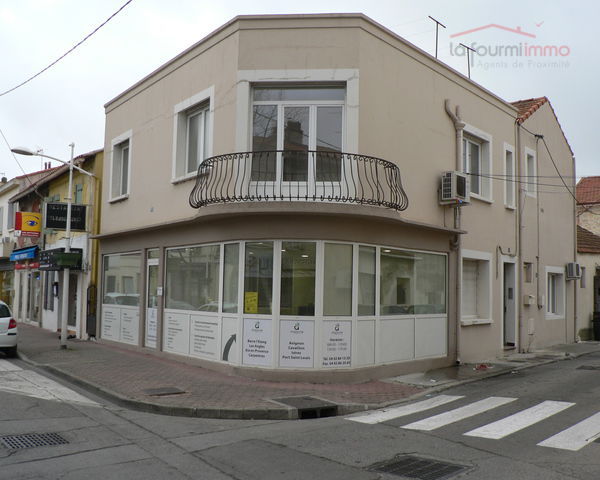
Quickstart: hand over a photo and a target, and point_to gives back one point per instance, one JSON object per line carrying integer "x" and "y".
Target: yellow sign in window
{"x": 251, "y": 302}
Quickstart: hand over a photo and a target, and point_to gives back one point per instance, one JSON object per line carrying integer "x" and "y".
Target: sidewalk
{"x": 146, "y": 382}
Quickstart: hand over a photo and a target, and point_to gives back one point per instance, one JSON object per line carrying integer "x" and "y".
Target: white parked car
{"x": 8, "y": 331}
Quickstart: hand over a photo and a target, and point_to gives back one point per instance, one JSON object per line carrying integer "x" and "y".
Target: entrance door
{"x": 151, "y": 303}
{"x": 510, "y": 317}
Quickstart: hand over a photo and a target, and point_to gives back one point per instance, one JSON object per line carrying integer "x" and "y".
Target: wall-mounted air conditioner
{"x": 573, "y": 270}
{"x": 455, "y": 189}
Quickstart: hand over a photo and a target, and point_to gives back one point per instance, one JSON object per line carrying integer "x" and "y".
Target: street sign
{"x": 56, "y": 216}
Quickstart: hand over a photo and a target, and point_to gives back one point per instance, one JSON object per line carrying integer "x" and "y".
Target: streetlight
{"x": 69, "y": 198}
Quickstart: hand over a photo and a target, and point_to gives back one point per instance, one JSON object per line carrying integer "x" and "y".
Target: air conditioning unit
{"x": 455, "y": 189}
{"x": 573, "y": 270}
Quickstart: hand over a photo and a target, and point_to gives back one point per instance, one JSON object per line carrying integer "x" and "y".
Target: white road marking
{"x": 386, "y": 414}
{"x": 577, "y": 436}
{"x": 32, "y": 384}
{"x": 6, "y": 366}
{"x": 520, "y": 420}
{"x": 452, "y": 416}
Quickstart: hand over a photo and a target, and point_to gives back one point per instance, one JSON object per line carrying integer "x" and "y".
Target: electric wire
{"x": 67, "y": 52}
{"x": 26, "y": 175}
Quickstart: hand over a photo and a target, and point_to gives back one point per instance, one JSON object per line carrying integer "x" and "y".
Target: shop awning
{"x": 24, "y": 253}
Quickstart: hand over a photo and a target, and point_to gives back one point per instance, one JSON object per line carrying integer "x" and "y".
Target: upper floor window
{"x": 509, "y": 177}
{"x": 10, "y": 219}
{"x": 197, "y": 138}
{"x": 78, "y": 193}
{"x": 1, "y": 219}
{"x": 120, "y": 169}
{"x": 477, "y": 161}
{"x": 297, "y": 119}
{"x": 193, "y": 127}
{"x": 530, "y": 171}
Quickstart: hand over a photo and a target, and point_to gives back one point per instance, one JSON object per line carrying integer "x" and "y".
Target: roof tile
{"x": 588, "y": 190}
{"x": 587, "y": 242}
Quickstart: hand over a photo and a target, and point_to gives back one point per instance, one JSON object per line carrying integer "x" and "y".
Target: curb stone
{"x": 275, "y": 413}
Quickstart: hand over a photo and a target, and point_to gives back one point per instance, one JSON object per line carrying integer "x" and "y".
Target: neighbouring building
{"x": 588, "y": 300}
{"x": 271, "y": 207}
{"x": 48, "y": 196}
{"x": 588, "y": 204}
{"x": 588, "y": 248}
{"x": 18, "y": 253}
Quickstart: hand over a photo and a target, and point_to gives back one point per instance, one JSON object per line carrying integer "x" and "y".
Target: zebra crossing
{"x": 573, "y": 438}
{"x": 15, "y": 380}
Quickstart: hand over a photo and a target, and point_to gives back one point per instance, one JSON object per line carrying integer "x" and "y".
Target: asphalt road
{"x": 540, "y": 423}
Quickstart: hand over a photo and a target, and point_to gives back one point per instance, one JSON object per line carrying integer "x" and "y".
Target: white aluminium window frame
{"x": 555, "y": 293}
{"x": 200, "y": 103}
{"x": 530, "y": 172}
{"x": 120, "y": 146}
{"x": 483, "y": 178}
{"x": 247, "y": 78}
{"x": 510, "y": 185}
{"x": 484, "y": 287}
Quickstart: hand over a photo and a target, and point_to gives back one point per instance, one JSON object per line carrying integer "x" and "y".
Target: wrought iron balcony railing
{"x": 299, "y": 175}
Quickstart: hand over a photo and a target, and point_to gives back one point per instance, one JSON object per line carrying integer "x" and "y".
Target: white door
{"x": 151, "y": 303}
{"x": 510, "y": 317}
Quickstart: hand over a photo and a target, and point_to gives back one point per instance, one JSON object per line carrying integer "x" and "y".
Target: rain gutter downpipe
{"x": 459, "y": 126}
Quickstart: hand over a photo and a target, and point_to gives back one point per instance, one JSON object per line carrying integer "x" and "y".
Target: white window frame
{"x": 484, "y": 140}
{"x": 1, "y": 219}
{"x": 246, "y": 78}
{"x": 509, "y": 180}
{"x": 203, "y": 101}
{"x": 10, "y": 217}
{"x": 557, "y": 273}
{"x": 116, "y": 149}
{"x": 531, "y": 176}
{"x": 484, "y": 288}
{"x": 312, "y": 106}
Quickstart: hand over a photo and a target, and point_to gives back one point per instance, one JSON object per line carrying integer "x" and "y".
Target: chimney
{"x": 4, "y": 180}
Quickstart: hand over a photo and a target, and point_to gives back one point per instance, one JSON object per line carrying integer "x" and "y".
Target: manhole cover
{"x": 159, "y": 392}
{"x": 420, "y": 468}
{"x": 310, "y": 407}
{"x": 31, "y": 440}
{"x": 588, "y": 367}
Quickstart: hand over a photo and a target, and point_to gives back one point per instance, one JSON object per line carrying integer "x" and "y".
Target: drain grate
{"x": 588, "y": 367}
{"x": 419, "y": 468}
{"x": 31, "y": 440}
{"x": 310, "y": 407}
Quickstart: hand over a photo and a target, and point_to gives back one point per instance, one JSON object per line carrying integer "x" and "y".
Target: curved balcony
{"x": 299, "y": 175}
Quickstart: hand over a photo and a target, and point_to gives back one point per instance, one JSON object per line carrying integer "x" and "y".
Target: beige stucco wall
{"x": 554, "y": 242}
{"x": 401, "y": 118}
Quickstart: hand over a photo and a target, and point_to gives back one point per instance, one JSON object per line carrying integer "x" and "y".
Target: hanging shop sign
{"x": 26, "y": 265}
{"x": 58, "y": 259}
{"x": 56, "y": 216}
{"x": 27, "y": 253}
{"x": 28, "y": 224}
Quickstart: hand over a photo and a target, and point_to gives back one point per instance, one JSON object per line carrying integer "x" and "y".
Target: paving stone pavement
{"x": 124, "y": 376}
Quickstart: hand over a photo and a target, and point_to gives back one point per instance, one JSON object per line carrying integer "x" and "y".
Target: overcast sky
{"x": 65, "y": 104}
